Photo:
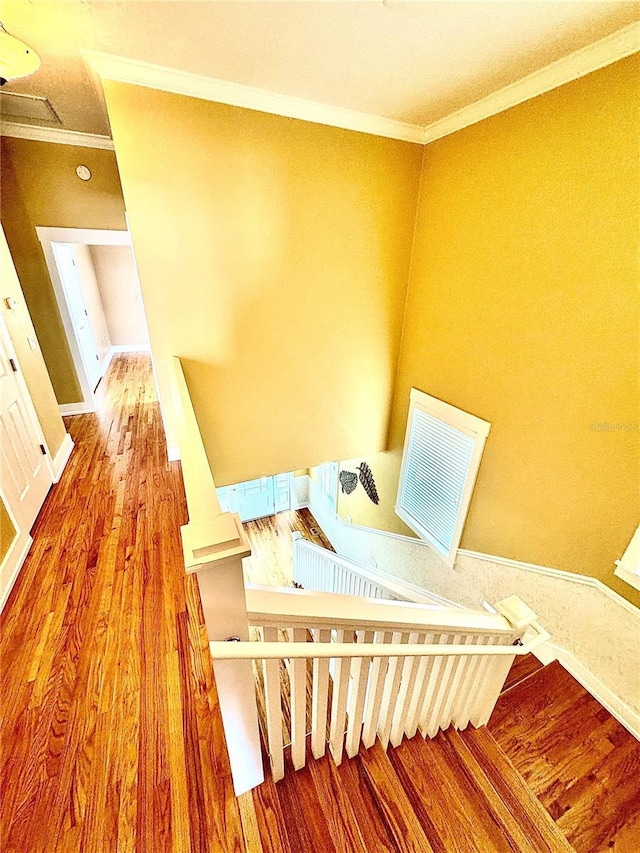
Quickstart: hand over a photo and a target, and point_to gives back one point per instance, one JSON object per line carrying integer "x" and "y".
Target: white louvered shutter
{"x": 439, "y": 468}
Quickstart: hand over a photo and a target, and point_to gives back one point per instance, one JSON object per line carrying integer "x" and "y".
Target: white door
{"x": 63, "y": 253}
{"x": 25, "y": 477}
{"x": 257, "y": 498}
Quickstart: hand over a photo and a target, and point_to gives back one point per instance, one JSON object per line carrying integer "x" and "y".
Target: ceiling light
{"x": 16, "y": 58}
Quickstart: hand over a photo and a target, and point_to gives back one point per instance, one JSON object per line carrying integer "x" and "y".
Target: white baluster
{"x": 377, "y": 677}
{"x": 463, "y": 700}
{"x": 339, "y": 699}
{"x": 390, "y": 693}
{"x": 359, "y": 679}
{"x": 272, "y": 701}
{"x": 433, "y": 687}
{"x": 495, "y": 677}
{"x": 451, "y": 662}
{"x": 320, "y": 697}
{"x": 422, "y": 681}
{"x": 407, "y": 686}
{"x": 298, "y": 679}
{"x": 457, "y": 677}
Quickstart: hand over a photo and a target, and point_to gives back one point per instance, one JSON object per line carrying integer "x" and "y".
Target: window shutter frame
{"x": 464, "y": 436}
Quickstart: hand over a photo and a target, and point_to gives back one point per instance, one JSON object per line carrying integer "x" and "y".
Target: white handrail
{"x": 317, "y": 568}
{"x": 270, "y": 651}
{"x": 390, "y": 668}
{"x": 284, "y": 606}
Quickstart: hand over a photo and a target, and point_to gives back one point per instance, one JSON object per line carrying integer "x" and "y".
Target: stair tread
{"x": 522, "y": 667}
{"x": 577, "y": 759}
{"x": 393, "y": 801}
{"x": 509, "y": 785}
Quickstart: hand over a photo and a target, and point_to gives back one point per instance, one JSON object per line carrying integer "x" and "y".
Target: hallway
{"x": 110, "y": 736}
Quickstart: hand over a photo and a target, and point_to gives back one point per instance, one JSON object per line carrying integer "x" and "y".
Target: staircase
{"x": 363, "y": 674}
{"x": 455, "y": 793}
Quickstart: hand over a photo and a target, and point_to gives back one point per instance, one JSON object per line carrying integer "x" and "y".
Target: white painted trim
{"x": 130, "y": 348}
{"x": 581, "y": 62}
{"x": 87, "y": 237}
{"x": 61, "y": 458}
{"x": 12, "y": 563}
{"x": 138, "y": 73}
{"x": 106, "y": 361}
{"x": 628, "y": 566}
{"x": 81, "y": 408}
{"x": 628, "y": 577}
{"x": 58, "y": 288}
{"x": 572, "y": 577}
{"x": 173, "y": 454}
{"x": 625, "y": 715}
{"x": 83, "y": 236}
{"x": 55, "y": 135}
{"x": 578, "y": 64}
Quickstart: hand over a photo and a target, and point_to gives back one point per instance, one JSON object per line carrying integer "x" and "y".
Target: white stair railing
{"x": 318, "y": 569}
{"x": 388, "y": 668}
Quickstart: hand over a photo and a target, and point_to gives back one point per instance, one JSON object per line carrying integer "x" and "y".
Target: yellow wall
{"x": 523, "y": 309}
{"x": 7, "y": 530}
{"x": 273, "y": 257}
{"x": 31, "y": 362}
{"x": 39, "y": 187}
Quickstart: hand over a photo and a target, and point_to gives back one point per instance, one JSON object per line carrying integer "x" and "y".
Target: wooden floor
{"x": 111, "y": 736}
{"x": 111, "y": 733}
{"x": 271, "y": 540}
{"x": 457, "y": 793}
{"x": 578, "y": 760}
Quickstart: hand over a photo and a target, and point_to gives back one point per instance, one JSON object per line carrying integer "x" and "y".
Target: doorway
{"x": 70, "y": 254}
{"x": 78, "y": 314}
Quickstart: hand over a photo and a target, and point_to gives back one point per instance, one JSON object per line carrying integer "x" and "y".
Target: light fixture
{"x": 16, "y": 58}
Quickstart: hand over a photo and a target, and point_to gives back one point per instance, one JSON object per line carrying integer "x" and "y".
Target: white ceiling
{"x": 414, "y": 62}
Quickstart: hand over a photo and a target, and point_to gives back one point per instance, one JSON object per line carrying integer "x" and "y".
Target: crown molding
{"x": 604, "y": 52}
{"x": 55, "y": 134}
{"x": 581, "y": 62}
{"x": 122, "y": 70}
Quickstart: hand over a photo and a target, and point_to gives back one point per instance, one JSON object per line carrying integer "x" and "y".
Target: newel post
{"x": 520, "y": 617}
{"x": 213, "y": 551}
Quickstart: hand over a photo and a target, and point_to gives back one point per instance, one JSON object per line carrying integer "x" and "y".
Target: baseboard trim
{"x": 173, "y": 454}
{"x": 16, "y": 554}
{"x": 625, "y": 715}
{"x": 129, "y": 348}
{"x": 106, "y": 361}
{"x": 61, "y": 458}
{"x": 82, "y": 408}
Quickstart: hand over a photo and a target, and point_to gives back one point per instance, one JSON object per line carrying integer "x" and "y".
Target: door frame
{"x": 86, "y": 237}
{"x": 88, "y": 347}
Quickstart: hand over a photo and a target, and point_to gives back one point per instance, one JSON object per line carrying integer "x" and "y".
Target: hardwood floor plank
{"x": 509, "y": 785}
{"x": 393, "y": 803}
{"x": 580, "y": 762}
{"x": 271, "y": 540}
{"x": 111, "y": 738}
{"x": 523, "y": 666}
